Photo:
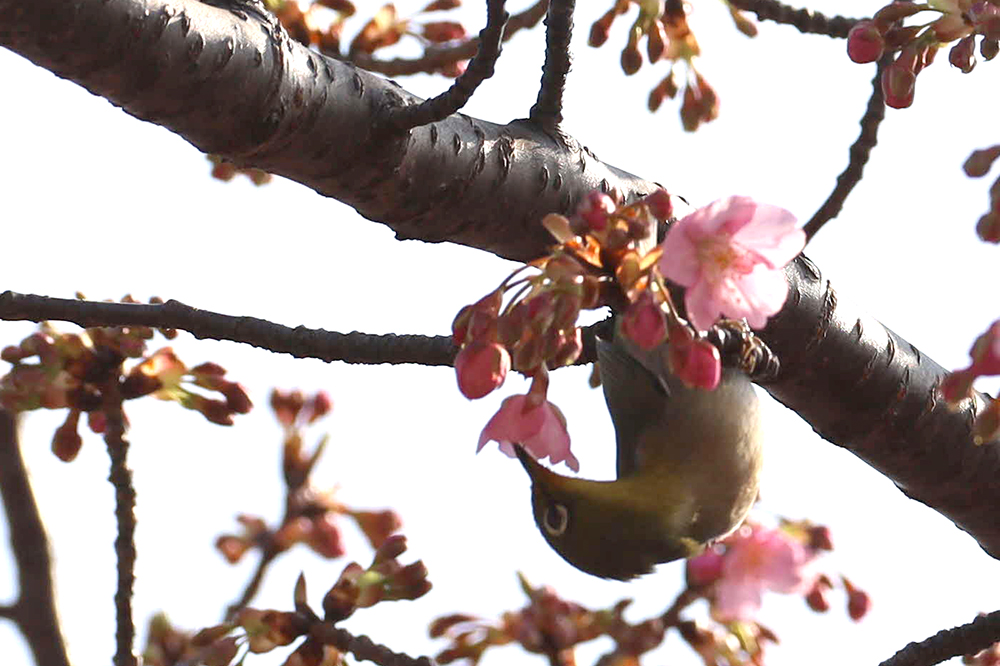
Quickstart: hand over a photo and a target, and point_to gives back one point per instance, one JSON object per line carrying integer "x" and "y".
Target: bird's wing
{"x": 634, "y": 393}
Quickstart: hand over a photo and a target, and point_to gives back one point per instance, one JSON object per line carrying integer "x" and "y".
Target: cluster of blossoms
{"x": 668, "y": 37}
{"x": 321, "y": 25}
{"x": 961, "y": 20}
{"x": 734, "y": 573}
{"x": 957, "y": 386}
{"x": 977, "y": 166}
{"x": 77, "y": 371}
{"x": 548, "y": 625}
{"x": 253, "y": 631}
{"x": 731, "y": 576}
{"x": 729, "y": 256}
{"x": 312, "y": 516}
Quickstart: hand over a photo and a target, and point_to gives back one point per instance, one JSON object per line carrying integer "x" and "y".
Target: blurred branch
{"x": 362, "y": 647}
{"x": 436, "y": 57}
{"x": 121, "y": 478}
{"x": 806, "y": 20}
{"x": 34, "y": 611}
{"x": 967, "y": 639}
{"x": 859, "y": 153}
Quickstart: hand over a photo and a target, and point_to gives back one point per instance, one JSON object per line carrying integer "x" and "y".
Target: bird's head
{"x": 610, "y": 529}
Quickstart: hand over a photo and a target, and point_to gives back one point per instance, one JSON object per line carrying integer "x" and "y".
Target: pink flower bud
{"x": 595, "y": 209}
{"x": 695, "y": 362}
{"x": 703, "y": 570}
{"x": 659, "y": 204}
{"x": 864, "y": 42}
{"x": 481, "y": 367}
{"x": 816, "y": 599}
{"x": 325, "y": 539}
{"x": 443, "y": 31}
{"x": 898, "y": 83}
{"x": 643, "y": 322}
{"x": 631, "y": 59}
{"x": 231, "y": 547}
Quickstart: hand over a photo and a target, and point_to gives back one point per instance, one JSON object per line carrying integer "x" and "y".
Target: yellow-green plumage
{"x": 688, "y": 469}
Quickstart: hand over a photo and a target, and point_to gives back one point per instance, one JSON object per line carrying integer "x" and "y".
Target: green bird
{"x": 688, "y": 468}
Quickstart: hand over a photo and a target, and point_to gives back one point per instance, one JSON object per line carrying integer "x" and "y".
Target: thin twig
{"x": 121, "y": 478}
{"x": 547, "y": 111}
{"x": 253, "y": 586}
{"x": 967, "y": 639}
{"x": 300, "y": 342}
{"x": 806, "y": 20}
{"x": 436, "y": 58}
{"x": 34, "y": 612}
{"x": 483, "y": 65}
{"x": 860, "y": 152}
{"x": 672, "y": 616}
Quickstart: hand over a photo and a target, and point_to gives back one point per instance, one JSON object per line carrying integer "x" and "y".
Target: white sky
{"x": 99, "y": 202}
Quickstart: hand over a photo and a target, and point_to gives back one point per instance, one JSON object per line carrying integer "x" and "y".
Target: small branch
{"x": 300, "y": 342}
{"x": 436, "y": 58}
{"x": 34, "y": 612}
{"x": 483, "y": 65}
{"x": 967, "y": 639}
{"x": 362, "y": 647}
{"x": 547, "y": 111}
{"x": 806, "y": 20}
{"x": 672, "y": 616}
{"x": 121, "y": 478}
{"x": 250, "y": 591}
{"x": 860, "y": 152}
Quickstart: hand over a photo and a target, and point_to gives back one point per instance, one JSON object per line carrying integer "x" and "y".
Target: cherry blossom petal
{"x": 541, "y": 431}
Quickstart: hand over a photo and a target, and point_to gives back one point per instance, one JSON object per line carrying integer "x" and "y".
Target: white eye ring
{"x": 556, "y": 519}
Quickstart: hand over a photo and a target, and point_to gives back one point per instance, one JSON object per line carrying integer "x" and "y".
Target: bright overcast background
{"x": 96, "y": 201}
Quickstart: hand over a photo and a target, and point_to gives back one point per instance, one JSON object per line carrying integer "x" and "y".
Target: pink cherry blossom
{"x": 763, "y": 559}
{"x": 540, "y": 430}
{"x": 729, "y": 255}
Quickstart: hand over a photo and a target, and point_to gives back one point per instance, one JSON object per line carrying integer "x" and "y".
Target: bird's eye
{"x": 556, "y": 519}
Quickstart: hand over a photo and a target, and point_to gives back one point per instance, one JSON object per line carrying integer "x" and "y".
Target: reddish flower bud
{"x": 695, "y": 362}
{"x": 66, "y": 442}
{"x": 643, "y": 322}
{"x": 988, "y": 227}
{"x": 656, "y": 42}
{"x": 481, "y": 367}
{"x": 980, "y": 161}
{"x": 898, "y": 83}
{"x": 819, "y": 538}
{"x": 631, "y": 59}
{"x": 858, "y": 601}
{"x": 231, "y": 547}
{"x": 864, "y": 42}
{"x": 963, "y": 54}
{"x": 601, "y": 29}
{"x": 956, "y": 386}
{"x": 816, "y": 599}
{"x": 988, "y": 48}
{"x": 595, "y": 209}
{"x": 660, "y": 204}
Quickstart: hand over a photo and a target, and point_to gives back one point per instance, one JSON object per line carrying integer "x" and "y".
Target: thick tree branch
{"x": 240, "y": 88}
{"x": 34, "y": 611}
{"x": 967, "y": 639}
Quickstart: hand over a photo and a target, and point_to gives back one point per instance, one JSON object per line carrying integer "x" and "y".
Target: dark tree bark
{"x": 236, "y": 85}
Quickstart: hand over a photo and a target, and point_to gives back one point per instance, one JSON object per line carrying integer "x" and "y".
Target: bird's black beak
{"x": 526, "y": 460}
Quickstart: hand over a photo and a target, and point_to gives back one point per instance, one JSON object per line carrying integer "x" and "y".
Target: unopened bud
{"x": 865, "y": 42}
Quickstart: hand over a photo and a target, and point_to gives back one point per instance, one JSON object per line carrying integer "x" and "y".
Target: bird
{"x": 688, "y": 468}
